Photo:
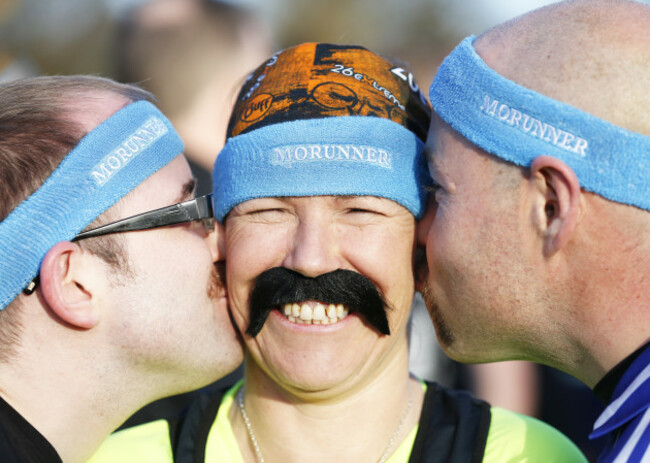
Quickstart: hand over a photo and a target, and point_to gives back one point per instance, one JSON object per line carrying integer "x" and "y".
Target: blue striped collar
{"x": 631, "y": 396}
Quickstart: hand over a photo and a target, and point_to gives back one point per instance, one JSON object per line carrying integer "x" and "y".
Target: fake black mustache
{"x": 278, "y": 286}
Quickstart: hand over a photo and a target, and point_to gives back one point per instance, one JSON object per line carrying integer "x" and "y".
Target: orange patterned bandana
{"x": 322, "y": 119}
{"x": 316, "y": 80}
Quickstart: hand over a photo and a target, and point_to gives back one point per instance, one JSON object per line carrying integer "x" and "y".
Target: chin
{"x": 321, "y": 386}
{"x": 311, "y": 374}
{"x": 481, "y": 353}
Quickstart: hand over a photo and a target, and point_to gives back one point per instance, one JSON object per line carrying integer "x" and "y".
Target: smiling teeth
{"x": 315, "y": 314}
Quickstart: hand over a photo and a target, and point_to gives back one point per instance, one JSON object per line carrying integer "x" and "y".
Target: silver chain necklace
{"x": 384, "y": 455}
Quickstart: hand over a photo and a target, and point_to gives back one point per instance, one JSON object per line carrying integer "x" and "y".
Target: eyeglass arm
{"x": 194, "y": 209}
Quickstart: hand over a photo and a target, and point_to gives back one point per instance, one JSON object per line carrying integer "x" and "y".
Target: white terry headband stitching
{"x": 108, "y": 162}
{"x": 518, "y": 124}
{"x": 344, "y": 155}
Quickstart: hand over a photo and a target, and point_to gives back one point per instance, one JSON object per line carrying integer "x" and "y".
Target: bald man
{"x": 538, "y": 241}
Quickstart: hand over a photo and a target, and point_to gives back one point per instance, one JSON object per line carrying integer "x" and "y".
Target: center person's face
{"x": 310, "y": 341}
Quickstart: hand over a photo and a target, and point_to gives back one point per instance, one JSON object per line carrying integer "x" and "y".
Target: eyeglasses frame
{"x": 187, "y": 211}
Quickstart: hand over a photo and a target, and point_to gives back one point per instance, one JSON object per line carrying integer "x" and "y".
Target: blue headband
{"x": 108, "y": 162}
{"x": 347, "y": 155}
{"x": 518, "y": 124}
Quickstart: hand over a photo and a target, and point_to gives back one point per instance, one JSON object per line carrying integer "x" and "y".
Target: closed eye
{"x": 268, "y": 215}
{"x": 359, "y": 210}
{"x": 265, "y": 211}
{"x": 434, "y": 190}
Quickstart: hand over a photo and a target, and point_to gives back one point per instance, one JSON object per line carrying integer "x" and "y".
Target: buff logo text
{"x": 534, "y": 127}
{"x": 134, "y": 144}
{"x": 287, "y": 155}
{"x": 257, "y": 107}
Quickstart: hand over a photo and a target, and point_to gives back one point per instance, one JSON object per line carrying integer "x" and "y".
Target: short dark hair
{"x": 37, "y": 131}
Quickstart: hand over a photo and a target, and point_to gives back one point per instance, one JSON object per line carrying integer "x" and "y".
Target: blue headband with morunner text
{"x": 346, "y": 155}
{"x": 325, "y": 119}
{"x": 518, "y": 124}
{"x": 109, "y": 162}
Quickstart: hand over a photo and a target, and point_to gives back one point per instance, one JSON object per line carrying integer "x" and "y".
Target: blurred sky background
{"x": 75, "y": 36}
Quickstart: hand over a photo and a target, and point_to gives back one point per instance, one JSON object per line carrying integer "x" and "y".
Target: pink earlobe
{"x": 65, "y": 296}
{"x": 53, "y": 271}
{"x": 562, "y": 196}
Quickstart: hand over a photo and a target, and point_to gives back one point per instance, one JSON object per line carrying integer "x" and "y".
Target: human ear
{"x": 420, "y": 266}
{"x": 424, "y": 224}
{"x": 217, "y": 242}
{"x": 63, "y": 280}
{"x": 559, "y": 209}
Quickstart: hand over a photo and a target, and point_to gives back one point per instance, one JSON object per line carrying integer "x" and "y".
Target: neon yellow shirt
{"x": 222, "y": 445}
{"x": 512, "y": 437}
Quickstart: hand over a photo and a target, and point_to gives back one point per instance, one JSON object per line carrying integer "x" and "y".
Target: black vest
{"x": 453, "y": 428}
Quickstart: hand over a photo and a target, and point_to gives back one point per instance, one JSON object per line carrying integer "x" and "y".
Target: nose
{"x": 313, "y": 247}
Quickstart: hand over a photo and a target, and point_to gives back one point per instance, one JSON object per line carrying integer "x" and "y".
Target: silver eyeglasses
{"x": 188, "y": 211}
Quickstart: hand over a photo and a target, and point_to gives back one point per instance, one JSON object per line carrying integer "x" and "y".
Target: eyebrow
{"x": 187, "y": 191}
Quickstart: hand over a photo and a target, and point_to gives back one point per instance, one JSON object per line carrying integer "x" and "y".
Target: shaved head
{"x": 556, "y": 270}
{"x": 591, "y": 54}
{"x": 568, "y": 287}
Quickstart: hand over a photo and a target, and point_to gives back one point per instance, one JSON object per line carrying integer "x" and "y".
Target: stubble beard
{"x": 443, "y": 331}
{"x": 216, "y": 283}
